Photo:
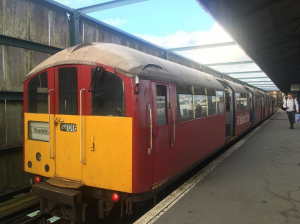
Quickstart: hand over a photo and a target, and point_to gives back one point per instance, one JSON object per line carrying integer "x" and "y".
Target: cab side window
{"x": 38, "y": 94}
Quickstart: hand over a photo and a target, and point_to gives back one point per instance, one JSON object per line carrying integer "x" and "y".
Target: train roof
{"x": 235, "y": 86}
{"x": 129, "y": 62}
{"x": 252, "y": 90}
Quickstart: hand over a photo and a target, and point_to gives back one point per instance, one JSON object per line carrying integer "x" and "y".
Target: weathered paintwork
{"x": 15, "y": 71}
{"x": 14, "y": 111}
{"x": 2, "y": 124}
{"x": 108, "y": 164}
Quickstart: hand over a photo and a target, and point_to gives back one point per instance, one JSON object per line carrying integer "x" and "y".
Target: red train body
{"x": 180, "y": 116}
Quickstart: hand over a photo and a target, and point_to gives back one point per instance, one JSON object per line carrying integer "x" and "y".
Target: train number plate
{"x": 68, "y": 127}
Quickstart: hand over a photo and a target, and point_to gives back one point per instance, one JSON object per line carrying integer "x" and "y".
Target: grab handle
{"x": 49, "y": 111}
{"x": 151, "y": 127}
{"x": 174, "y": 124}
{"x": 81, "y": 160}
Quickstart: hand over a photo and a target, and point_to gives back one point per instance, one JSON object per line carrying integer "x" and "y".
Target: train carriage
{"x": 237, "y": 109}
{"x": 112, "y": 124}
{"x": 255, "y": 104}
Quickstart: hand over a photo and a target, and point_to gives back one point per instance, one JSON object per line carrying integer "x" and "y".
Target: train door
{"x": 67, "y": 122}
{"x": 229, "y": 112}
{"x": 251, "y": 99}
{"x": 161, "y": 133}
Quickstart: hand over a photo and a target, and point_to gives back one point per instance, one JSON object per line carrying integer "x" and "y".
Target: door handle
{"x": 154, "y": 133}
{"x": 57, "y": 120}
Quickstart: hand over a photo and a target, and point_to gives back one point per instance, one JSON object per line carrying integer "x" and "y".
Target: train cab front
{"x": 78, "y": 138}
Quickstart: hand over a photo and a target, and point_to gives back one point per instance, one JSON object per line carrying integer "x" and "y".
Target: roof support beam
{"x": 106, "y": 5}
{"x": 260, "y": 82}
{"x": 230, "y": 63}
{"x": 11, "y": 96}
{"x": 95, "y": 8}
{"x": 15, "y": 42}
{"x": 261, "y": 85}
{"x": 197, "y": 47}
{"x": 251, "y": 78}
{"x": 247, "y": 72}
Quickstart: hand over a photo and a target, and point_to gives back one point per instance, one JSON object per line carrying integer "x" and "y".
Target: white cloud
{"x": 117, "y": 22}
{"x": 205, "y": 56}
{"x": 208, "y": 55}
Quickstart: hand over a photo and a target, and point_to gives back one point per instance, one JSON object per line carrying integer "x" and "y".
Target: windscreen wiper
{"x": 98, "y": 70}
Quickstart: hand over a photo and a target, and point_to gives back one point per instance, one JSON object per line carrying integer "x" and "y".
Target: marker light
{"x": 115, "y": 197}
{"x": 37, "y": 179}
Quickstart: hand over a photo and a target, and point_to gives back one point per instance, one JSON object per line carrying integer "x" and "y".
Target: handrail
{"x": 174, "y": 124}
{"x": 49, "y": 111}
{"x": 81, "y": 160}
{"x": 151, "y": 127}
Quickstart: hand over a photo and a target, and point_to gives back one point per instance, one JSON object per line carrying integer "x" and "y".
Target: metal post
{"x": 76, "y": 28}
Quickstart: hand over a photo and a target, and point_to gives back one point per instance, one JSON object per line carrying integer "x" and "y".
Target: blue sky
{"x": 171, "y": 24}
{"x": 153, "y": 17}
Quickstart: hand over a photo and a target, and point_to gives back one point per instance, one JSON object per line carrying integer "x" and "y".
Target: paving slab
{"x": 258, "y": 183}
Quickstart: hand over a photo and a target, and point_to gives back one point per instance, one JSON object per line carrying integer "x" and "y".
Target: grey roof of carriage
{"x": 235, "y": 86}
{"x": 129, "y": 62}
{"x": 254, "y": 91}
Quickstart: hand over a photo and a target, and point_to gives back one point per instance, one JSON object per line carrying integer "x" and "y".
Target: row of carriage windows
{"x": 108, "y": 97}
{"x": 196, "y": 102}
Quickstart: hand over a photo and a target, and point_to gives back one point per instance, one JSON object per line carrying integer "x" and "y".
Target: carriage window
{"x": 220, "y": 102}
{"x": 161, "y": 100}
{"x": 257, "y": 101}
{"x": 238, "y": 101}
{"x": 242, "y": 101}
{"x": 38, "y": 94}
{"x": 200, "y": 102}
{"x": 108, "y": 98}
{"x": 184, "y": 102}
{"x": 211, "y": 100}
{"x": 245, "y": 99}
{"x": 68, "y": 91}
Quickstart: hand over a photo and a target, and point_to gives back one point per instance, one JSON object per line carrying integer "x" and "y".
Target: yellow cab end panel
{"x": 32, "y": 147}
{"x": 108, "y": 152}
{"x": 67, "y": 148}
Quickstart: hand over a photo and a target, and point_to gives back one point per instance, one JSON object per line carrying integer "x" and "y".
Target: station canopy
{"x": 269, "y": 32}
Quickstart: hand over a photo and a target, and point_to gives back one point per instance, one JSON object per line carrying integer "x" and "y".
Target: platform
{"x": 259, "y": 183}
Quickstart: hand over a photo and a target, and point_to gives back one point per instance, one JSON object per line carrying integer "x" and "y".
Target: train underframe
{"x": 72, "y": 204}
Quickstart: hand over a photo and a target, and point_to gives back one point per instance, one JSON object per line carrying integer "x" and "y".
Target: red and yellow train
{"x": 106, "y": 124}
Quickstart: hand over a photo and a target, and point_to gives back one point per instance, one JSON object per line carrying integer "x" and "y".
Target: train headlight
{"x": 38, "y": 131}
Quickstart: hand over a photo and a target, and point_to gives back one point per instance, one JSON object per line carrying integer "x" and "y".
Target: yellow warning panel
{"x": 108, "y": 152}
{"x": 37, "y": 148}
{"x": 67, "y": 147}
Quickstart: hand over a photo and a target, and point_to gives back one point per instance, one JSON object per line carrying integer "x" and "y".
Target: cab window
{"x": 108, "y": 98}
{"x": 38, "y": 94}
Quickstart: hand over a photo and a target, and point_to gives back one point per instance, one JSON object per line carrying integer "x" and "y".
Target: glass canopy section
{"x": 228, "y": 58}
